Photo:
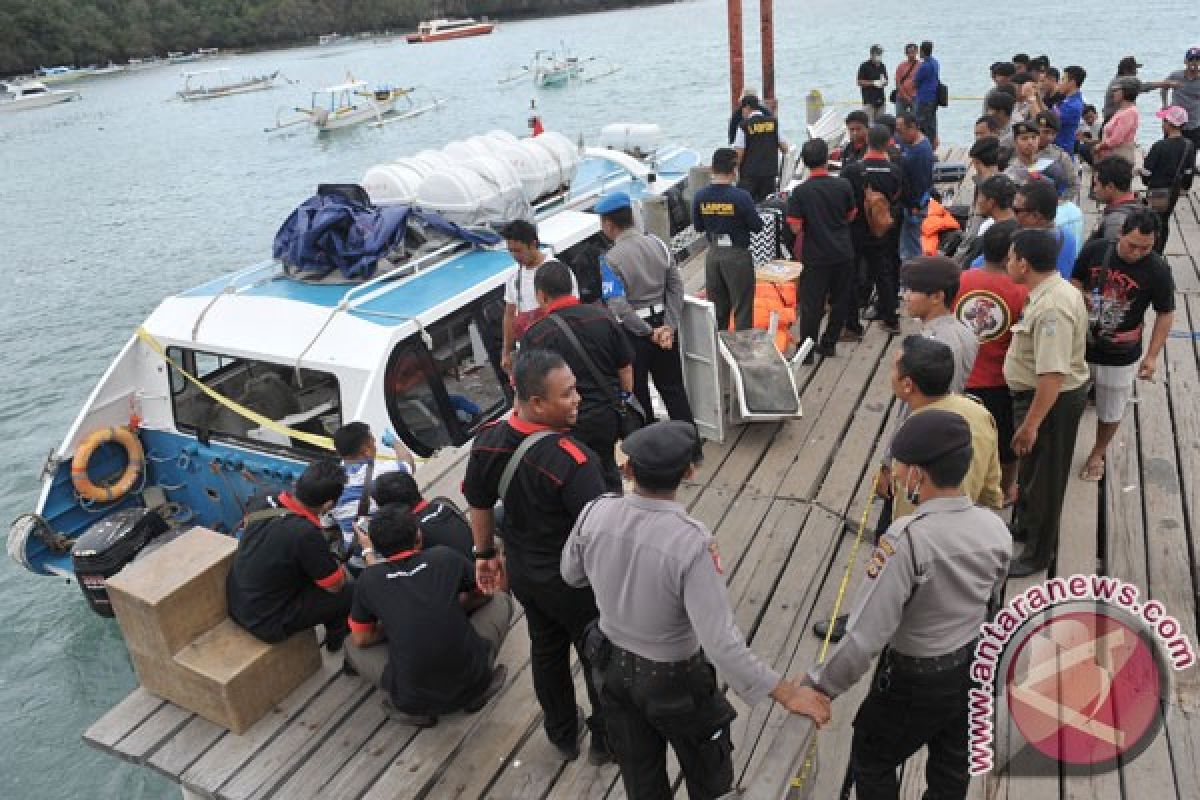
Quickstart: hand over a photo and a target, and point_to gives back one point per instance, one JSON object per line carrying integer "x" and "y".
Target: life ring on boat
{"x": 83, "y": 454}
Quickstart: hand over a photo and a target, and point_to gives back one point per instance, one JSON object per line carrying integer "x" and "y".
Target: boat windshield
{"x": 308, "y": 400}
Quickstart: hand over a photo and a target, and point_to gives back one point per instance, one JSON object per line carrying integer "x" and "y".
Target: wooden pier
{"x": 784, "y": 500}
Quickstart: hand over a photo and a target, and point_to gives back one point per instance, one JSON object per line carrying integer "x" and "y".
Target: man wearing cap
{"x": 664, "y": 612}
{"x": 924, "y": 596}
{"x": 1127, "y": 75}
{"x": 905, "y": 93}
{"x": 726, "y": 216}
{"x": 1048, "y": 127}
{"x": 872, "y": 79}
{"x": 758, "y": 147}
{"x": 1047, "y": 374}
{"x": 1170, "y": 167}
{"x": 1185, "y": 93}
{"x": 649, "y": 305}
{"x": 1026, "y": 165}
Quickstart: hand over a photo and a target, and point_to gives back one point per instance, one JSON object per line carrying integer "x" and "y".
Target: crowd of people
{"x": 1021, "y": 314}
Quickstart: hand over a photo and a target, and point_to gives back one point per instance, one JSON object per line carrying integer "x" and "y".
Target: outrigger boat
{"x": 354, "y": 103}
{"x": 22, "y": 95}
{"x": 553, "y": 69}
{"x": 439, "y": 30}
{"x": 232, "y": 387}
{"x": 209, "y": 83}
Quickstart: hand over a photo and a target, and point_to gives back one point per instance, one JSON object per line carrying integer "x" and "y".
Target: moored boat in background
{"x": 23, "y": 95}
{"x": 210, "y": 83}
{"x": 438, "y": 30}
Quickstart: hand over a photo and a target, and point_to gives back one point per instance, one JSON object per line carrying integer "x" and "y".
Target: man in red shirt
{"x": 988, "y": 303}
{"x": 905, "y": 95}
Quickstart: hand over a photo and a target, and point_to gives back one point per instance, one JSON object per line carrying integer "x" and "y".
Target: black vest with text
{"x": 762, "y": 146}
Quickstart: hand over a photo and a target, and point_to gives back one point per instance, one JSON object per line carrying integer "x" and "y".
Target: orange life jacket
{"x": 937, "y": 221}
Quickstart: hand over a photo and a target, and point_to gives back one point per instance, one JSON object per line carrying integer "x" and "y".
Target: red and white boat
{"x": 436, "y": 30}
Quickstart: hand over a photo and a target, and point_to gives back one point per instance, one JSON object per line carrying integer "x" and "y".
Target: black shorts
{"x": 998, "y": 400}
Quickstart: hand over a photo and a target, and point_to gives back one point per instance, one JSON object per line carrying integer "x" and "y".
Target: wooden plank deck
{"x": 783, "y": 500}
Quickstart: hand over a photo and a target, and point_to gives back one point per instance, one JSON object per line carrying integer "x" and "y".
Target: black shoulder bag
{"x": 630, "y": 415}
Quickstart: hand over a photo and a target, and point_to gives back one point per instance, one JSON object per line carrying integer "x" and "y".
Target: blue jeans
{"x": 910, "y": 234}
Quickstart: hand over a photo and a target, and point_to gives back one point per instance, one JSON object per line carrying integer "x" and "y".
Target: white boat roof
{"x": 342, "y": 87}
{"x": 567, "y": 229}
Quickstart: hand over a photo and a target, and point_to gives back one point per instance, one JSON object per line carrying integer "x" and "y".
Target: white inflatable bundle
{"x": 484, "y": 179}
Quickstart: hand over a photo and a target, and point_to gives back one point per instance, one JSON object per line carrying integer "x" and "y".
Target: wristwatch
{"x": 484, "y": 555}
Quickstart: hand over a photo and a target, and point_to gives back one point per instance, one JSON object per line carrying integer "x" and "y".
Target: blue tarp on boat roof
{"x": 330, "y": 231}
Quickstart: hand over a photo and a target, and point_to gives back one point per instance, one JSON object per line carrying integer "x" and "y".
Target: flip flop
{"x": 1092, "y": 472}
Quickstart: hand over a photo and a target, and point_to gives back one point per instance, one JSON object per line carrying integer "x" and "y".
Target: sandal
{"x": 1092, "y": 473}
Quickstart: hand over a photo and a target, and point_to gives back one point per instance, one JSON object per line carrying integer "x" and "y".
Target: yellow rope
{"x": 806, "y": 769}
{"x": 316, "y": 440}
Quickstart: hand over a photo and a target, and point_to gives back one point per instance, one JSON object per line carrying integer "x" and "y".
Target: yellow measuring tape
{"x": 806, "y": 769}
{"x": 316, "y": 440}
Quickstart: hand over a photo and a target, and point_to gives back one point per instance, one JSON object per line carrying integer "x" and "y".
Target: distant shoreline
{"x": 133, "y": 38}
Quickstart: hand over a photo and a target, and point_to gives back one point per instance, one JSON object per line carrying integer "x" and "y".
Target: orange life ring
{"x": 83, "y": 454}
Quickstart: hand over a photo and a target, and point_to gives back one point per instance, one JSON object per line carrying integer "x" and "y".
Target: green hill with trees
{"x": 43, "y": 33}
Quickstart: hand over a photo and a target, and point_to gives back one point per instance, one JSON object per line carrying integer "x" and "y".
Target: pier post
{"x": 766, "y": 17}
{"x": 737, "y": 65}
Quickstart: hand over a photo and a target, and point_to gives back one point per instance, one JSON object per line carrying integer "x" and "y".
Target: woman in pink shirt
{"x": 1119, "y": 136}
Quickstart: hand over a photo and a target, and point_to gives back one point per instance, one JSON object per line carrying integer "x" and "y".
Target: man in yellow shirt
{"x": 1047, "y": 373}
{"x": 921, "y": 375}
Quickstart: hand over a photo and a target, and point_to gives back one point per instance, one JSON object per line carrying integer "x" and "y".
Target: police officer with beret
{"x": 926, "y": 593}
{"x": 649, "y": 305}
{"x": 657, "y": 577}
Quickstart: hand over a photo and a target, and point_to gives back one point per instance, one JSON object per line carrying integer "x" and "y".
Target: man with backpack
{"x": 877, "y": 183}
{"x": 1113, "y": 186}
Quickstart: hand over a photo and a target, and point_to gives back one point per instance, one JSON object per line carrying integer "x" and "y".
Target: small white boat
{"x": 554, "y": 69}
{"x": 62, "y": 74}
{"x": 32, "y": 94}
{"x": 209, "y": 83}
{"x": 354, "y": 103}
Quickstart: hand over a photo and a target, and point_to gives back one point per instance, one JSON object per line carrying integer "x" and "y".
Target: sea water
{"x": 129, "y": 195}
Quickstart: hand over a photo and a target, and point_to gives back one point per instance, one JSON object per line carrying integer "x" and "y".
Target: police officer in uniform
{"x": 926, "y": 593}
{"x": 726, "y": 215}
{"x": 758, "y": 147}
{"x": 650, "y": 307}
{"x": 664, "y": 612}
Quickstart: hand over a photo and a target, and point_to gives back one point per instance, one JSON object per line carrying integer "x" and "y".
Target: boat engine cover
{"x": 107, "y": 546}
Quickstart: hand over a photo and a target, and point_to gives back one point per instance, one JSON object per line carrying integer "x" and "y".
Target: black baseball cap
{"x": 1127, "y": 63}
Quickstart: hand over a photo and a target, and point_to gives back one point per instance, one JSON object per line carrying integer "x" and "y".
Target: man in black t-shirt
{"x": 879, "y": 253}
{"x": 437, "y": 660}
{"x": 819, "y": 212}
{"x": 872, "y": 79}
{"x": 758, "y": 147}
{"x": 284, "y": 577}
{"x": 1119, "y": 281}
{"x": 555, "y": 478}
{"x": 603, "y": 340}
{"x": 440, "y": 526}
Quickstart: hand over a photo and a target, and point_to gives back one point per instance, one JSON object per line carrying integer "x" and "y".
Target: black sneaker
{"x": 827, "y": 350}
{"x": 821, "y": 628}
{"x": 569, "y": 749}
{"x": 404, "y": 718}
{"x": 499, "y": 675}
{"x": 598, "y": 752}
{"x": 335, "y": 638}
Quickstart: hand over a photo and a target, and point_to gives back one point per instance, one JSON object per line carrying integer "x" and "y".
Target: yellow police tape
{"x": 860, "y": 102}
{"x": 806, "y": 769}
{"x": 316, "y": 440}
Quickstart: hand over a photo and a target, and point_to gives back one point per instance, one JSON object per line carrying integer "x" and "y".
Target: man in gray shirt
{"x": 1185, "y": 93}
{"x": 930, "y": 286}
{"x": 924, "y": 596}
{"x": 648, "y": 303}
{"x": 664, "y": 612}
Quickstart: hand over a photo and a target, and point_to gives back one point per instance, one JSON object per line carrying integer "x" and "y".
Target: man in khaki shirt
{"x": 921, "y": 376}
{"x": 1046, "y": 372}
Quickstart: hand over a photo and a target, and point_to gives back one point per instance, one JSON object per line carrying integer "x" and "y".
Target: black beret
{"x": 663, "y": 446}
{"x": 1048, "y": 119}
{"x": 1022, "y": 128}
{"x": 927, "y": 436}
{"x": 928, "y": 274}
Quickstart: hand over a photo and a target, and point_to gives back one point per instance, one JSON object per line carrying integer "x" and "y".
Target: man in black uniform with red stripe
{"x": 601, "y": 340}
{"x": 552, "y": 478}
